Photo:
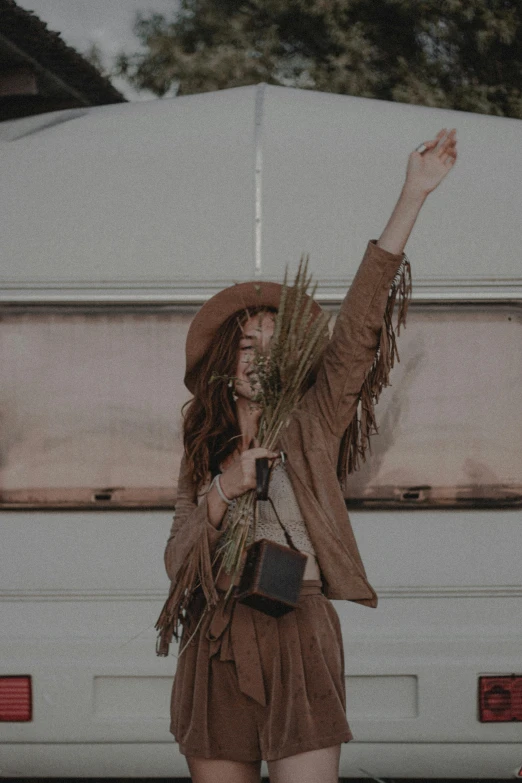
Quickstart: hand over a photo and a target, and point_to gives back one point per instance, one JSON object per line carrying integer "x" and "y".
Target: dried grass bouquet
{"x": 278, "y": 380}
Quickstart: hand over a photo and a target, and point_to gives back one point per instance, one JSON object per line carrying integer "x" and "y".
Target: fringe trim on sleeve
{"x": 356, "y": 439}
{"x": 195, "y": 572}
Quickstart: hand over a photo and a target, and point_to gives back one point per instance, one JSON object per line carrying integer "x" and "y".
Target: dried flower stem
{"x": 278, "y": 378}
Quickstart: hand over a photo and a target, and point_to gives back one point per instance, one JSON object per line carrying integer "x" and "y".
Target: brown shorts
{"x": 251, "y": 687}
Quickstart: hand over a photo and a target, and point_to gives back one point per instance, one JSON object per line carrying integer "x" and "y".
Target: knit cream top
{"x": 283, "y": 497}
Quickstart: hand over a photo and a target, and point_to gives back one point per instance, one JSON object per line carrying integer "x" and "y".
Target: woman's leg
{"x": 222, "y": 771}
{"x": 314, "y": 766}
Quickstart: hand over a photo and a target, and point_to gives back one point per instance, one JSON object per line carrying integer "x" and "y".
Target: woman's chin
{"x": 247, "y": 398}
{"x": 247, "y": 391}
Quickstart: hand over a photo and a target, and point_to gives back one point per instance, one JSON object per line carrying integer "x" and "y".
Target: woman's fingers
{"x": 443, "y": 141}
{"x": 427, "y": 169}
{"x": 240, "y": 476}
{"x": 448, "y": 143}
{"x": 443, "y": 146}
{"x": 257, "y": 452}
{"x": 437, "y": 141}
{"x": 250, "y": 455}
{"x": 429, "y": 144}
{"x": 254, "y": 444}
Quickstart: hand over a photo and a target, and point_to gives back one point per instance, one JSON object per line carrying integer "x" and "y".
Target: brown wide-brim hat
{"x": 215, "y": 312}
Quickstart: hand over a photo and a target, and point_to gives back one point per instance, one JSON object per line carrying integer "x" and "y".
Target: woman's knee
{"x": 309, "y": 767}
{"x": 223, "y": 770}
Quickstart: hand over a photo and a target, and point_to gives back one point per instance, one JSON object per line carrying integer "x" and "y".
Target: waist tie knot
{"x": 232, "y": 634}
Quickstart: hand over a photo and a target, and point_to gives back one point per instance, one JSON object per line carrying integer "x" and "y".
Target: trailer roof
{"x": 179, "y": 197}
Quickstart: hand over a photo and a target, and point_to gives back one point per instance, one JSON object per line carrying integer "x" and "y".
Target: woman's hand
{"x": 237, "y": 479}
{"x": 427, "y": 169}
{"x": 241, "y": 475}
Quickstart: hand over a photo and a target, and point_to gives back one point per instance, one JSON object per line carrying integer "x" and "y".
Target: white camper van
{"x": 117, "y": 222}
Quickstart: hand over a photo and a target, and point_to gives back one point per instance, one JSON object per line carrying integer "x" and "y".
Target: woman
{"x": 249, "y": 686}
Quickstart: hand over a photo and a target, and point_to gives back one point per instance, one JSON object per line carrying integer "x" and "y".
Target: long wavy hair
{"x": 210, "y": 424}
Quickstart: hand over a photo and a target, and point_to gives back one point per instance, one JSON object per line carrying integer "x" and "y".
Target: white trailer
{"x": 116, "y": 223}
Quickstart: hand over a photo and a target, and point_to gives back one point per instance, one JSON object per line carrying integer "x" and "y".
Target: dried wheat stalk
{"x": 278, "y": 380}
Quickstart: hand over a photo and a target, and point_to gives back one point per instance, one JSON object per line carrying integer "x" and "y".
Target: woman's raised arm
{"x": 358, "y": 359}
{"x": 424, "y": 172}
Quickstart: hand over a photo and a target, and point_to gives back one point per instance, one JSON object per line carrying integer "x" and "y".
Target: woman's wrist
{"x": 414, "y": 193}
{"x": 399, "y": 226}
{"x": 220, "y": 490}
{"x": 217, "y": 507}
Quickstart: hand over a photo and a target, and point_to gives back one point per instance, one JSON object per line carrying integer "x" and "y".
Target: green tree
{"x": 94, "y": 56}
{"x": 453, "y": 54}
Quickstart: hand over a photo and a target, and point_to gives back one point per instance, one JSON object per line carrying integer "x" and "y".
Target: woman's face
{"x": 257, "y": 333}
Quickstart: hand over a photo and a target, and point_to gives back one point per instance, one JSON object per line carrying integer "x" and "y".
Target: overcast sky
{"x": 108, "y": 23}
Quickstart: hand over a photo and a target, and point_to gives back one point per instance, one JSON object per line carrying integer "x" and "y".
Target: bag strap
{"x": 263, "y": 473}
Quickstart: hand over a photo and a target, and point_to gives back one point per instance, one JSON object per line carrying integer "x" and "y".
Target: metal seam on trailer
{"x": 135, "y": 294}
{"x": 258, "y": 183}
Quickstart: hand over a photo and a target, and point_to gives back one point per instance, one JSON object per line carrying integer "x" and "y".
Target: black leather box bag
{"x": 272, "y": 577}
{"x": 273, "y": 574}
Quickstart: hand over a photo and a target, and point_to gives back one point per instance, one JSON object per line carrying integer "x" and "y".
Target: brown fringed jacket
{"x": 323, "y": 441}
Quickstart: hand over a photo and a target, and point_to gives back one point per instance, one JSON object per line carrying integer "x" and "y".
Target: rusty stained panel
{"x": 90, "y": 410}
{"x": 450, "y": 424}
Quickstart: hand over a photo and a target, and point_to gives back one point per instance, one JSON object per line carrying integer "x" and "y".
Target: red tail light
{"x": 15, "y": 698}
{"x": 500, "y": 698}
